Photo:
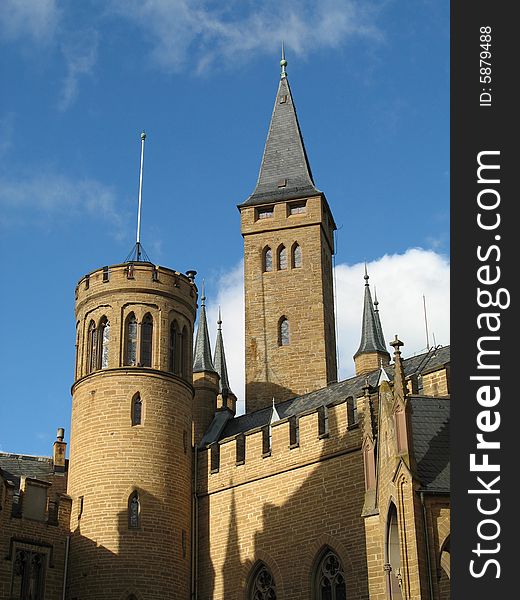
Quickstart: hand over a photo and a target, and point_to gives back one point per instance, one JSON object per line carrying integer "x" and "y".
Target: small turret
{"x": 371, "y": 353}
{"x": 226, "y": 398}
{"x": 205, "y": 377}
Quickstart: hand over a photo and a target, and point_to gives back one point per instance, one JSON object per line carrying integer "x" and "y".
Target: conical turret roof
{"x": 202, "y": 351}
{"x": 220, "y": 358}
{"x": 285, "y": 172}
{"x": 372, "y": 339}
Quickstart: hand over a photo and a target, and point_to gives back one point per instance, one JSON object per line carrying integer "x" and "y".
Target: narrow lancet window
{"x": 296, "y": 256}
{"x": 137, "y": 410}
{"x": 268, "y": 260}
{"x": 282, "y": 258}
{"x": 146, "y": 340}
{"x": 104, "y": 334}
{"x": 134, "y": 511}
{"x": 91, "y": 347}
{"x": 185, "y": 358}
{"x": 174, "y": 342}
{"x": 323, "y": 421}
{"x": 283, "y": 332}
{"x": 131, "y": 340}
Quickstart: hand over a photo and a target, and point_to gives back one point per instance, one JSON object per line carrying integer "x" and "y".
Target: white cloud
{"x": 400, "y": 279}
{"x": 35, "y": 19}
{"x": 58, "y": 198}
{"x": 199, "y": 33}
{"x": 80, "y": 53}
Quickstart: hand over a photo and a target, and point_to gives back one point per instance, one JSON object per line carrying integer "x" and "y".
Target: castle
{"x": 323, "y": 489}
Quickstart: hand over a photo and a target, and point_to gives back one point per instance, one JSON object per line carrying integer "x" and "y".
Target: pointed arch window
{"x": 131, "y": 340}
{"x": 146, "y": 340}
{"x": 393, "y": 554}
{"x": 91, "y": 347}
{"x": 296, "y": 256}
{"x": 103, "y": 338}
{"x": 134, "y": 511}
{"x": 282, "y": 258}
{"x": 174, "y": 345}
{"x": 262, "y": 585}
{"x": 329, "y": 577}
{"x": 283, "y": 332}
{"x": 267, "y": 260}
{"x": 185, "y": 353}
{"x": 137, "y": 410}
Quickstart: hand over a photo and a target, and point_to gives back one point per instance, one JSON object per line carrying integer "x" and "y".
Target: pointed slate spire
{"x": 370, "y": 334}
{"x": 379, "y": 327}
{"x": 219, "y": 359}
{"x": 202, "y": 352}
{"x": 285, "y": 172}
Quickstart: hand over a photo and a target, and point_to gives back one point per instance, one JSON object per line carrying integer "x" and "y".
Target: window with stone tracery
{"x": 131, "y": 341}
{"x": 103, "y": 337}
{"x": 282, "y": 258}
{"x": 283, "y": 332}
{"x": 296, "y": 256}
{"x": 134, "y": 510}
{"x": 28, "y": 580}
{"x": 263, "y": 586}
{"x": 329, "y": 578}
{"x": 146, "y": 340}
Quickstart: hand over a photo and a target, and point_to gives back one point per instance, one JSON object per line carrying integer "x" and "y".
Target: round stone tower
{"x": 130, "y": 471}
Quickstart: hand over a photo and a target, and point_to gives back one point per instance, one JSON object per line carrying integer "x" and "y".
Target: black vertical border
{"x": 475, "y": 129}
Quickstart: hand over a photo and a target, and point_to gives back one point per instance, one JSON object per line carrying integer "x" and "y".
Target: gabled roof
{"x": 284, "y": 158}
{"x": 434, "y": 359}
{"x": 430, "y": 423}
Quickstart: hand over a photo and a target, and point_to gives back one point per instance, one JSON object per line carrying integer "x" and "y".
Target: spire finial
{"x": 366, "y": 274}
{"x": 203, "y": 294}
{"x": 219, "y": 322}
{"x": 283, "y": 63}
{"x": 376, "y": 302}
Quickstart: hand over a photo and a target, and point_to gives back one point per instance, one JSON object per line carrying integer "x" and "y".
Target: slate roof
{"x": 430, "y": 422}
{"x": 219, "y": 360}
{"x": 14, "y": 466}
{"x": 436, "y": 358}
{"x": 202, "y": 351}
{"x": 285, "y": 157}
{"x": 372, "y": 339}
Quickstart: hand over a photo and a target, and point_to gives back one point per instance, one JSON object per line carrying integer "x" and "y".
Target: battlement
{"x": 291, "y": 443}
{"x": 135, "y": 276}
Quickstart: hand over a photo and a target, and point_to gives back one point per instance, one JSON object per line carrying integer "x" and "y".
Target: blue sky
{"x": 81, "y": 80}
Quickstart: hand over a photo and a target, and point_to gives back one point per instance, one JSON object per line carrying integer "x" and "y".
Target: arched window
{"x": 393, "y": 555}
{"x": 91, "y": 347}
{"x": 137, "y": 410}
{"x": 329, "y": 577}
{"x": 103, "y": 336}
{"x": 134, "y": 510}
{"x": 282, "y": 258}
{"x": 283, "y": 332}
{"x": 131, "y": 340}
{"x": 296, "y": 256}
{"x": 146, "y": 340}
{"x": 174, "y": 344}
{"x": 267, "y": 260}
{"x": 262, "y": 585}
{"x": 185, "y": 353}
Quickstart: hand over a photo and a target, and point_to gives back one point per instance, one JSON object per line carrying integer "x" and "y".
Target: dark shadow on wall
{"x": 323, "y": 512}
{"x": 149, "y": 561}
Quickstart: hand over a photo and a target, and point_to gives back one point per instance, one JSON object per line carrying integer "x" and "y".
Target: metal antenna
{"x": 138, "y": 238}
{"x": 426, "y": 323}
